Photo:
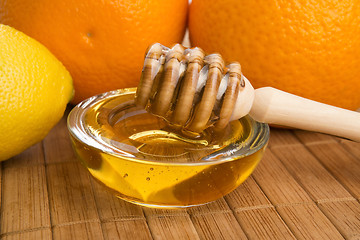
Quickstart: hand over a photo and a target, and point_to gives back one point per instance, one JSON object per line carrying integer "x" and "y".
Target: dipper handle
{"x": 274, "y": 106}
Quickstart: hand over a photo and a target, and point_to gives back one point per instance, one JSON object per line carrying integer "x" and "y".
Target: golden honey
{"x": 142, "y": 160}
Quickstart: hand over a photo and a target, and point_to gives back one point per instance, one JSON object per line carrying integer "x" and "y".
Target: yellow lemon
{"x": 34, "y": 90}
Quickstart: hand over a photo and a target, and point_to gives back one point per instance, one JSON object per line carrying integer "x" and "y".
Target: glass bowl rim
{"x": 259, "y": 140}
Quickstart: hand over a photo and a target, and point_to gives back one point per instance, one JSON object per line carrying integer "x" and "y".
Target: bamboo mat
{"x": 306, "y": 187}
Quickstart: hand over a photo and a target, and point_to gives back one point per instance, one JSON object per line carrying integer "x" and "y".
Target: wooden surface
{"x": 306, "y": 187}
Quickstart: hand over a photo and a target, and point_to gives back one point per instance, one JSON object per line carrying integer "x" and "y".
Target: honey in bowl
{"x": 140, "y": 158}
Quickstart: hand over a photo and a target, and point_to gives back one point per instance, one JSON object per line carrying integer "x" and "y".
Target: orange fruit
{"x": 101, "y": 43}
{"x": 308, "y": 48}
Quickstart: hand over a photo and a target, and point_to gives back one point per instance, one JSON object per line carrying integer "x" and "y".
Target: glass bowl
{"x": 141, "y": 159}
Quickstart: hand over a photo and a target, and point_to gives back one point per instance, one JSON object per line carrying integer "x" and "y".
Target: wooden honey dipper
{"x": 193, "y": 90}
